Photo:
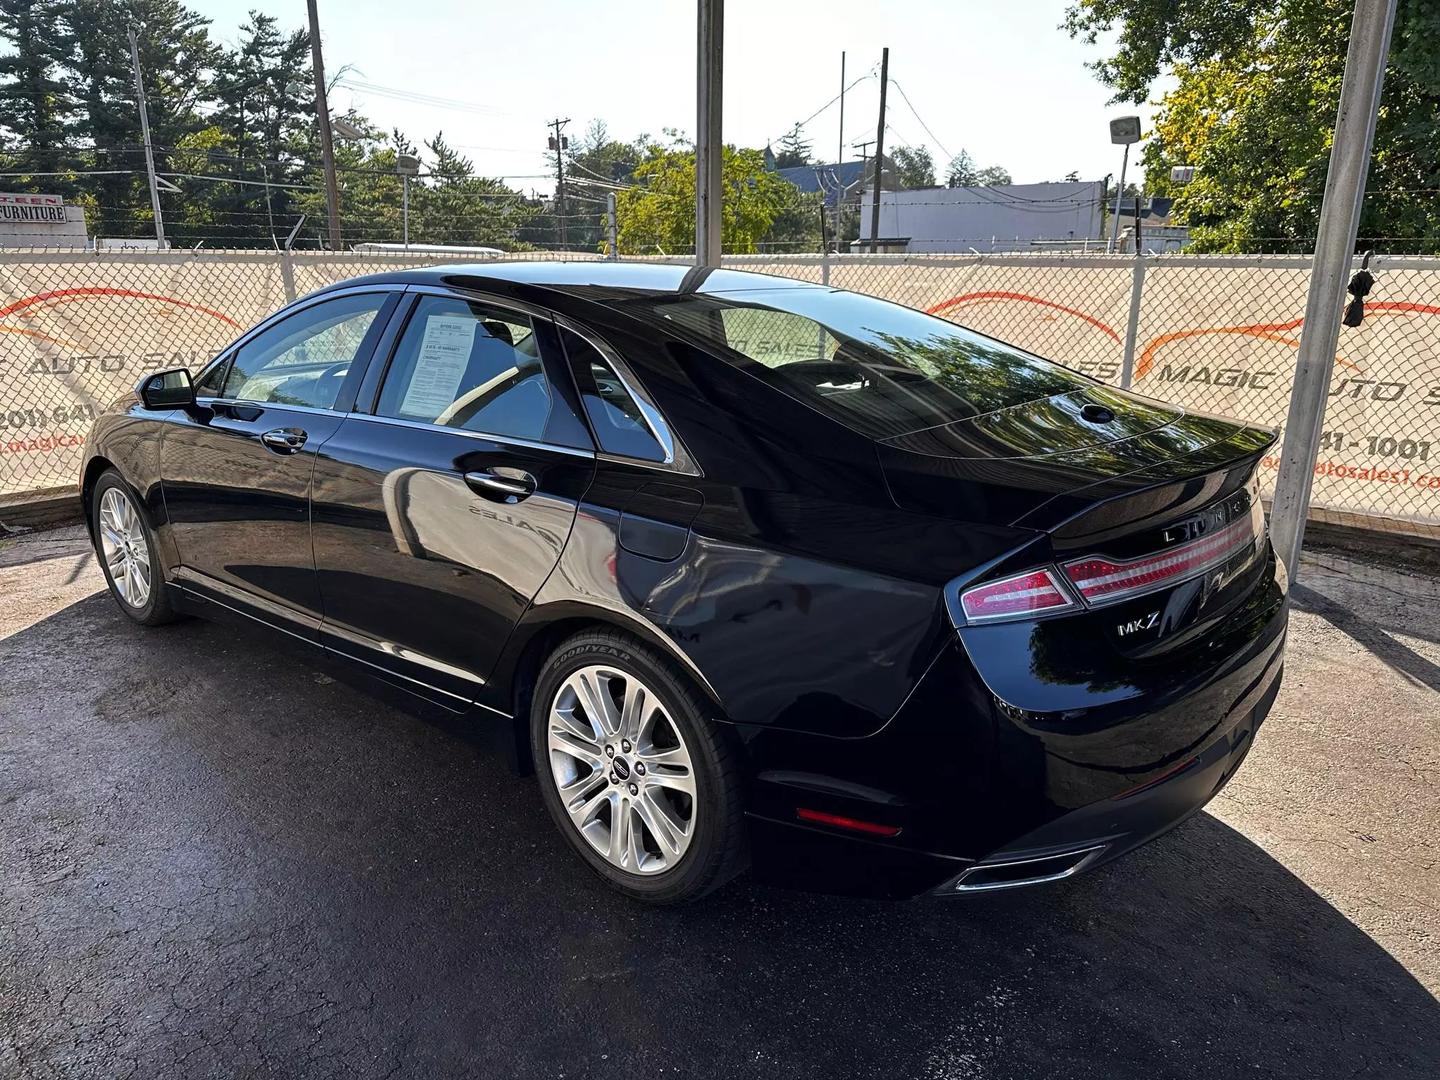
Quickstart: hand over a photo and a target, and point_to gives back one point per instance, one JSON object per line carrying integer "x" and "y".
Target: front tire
{"x": 642, "y": 784}
{"x": 125, "y": 547}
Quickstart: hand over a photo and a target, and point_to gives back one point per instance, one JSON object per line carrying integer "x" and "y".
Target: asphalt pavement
{"x": 215, "y": 862}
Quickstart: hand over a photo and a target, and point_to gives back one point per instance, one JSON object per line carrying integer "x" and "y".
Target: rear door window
{"x": 470, "y": 365}
{"x": 619, "y": 422}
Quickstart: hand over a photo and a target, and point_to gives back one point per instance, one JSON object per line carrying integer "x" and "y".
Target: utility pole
{"x": 559, "y": 143}
{"x": 149, "y": 150}
{"x": 1339, "y": 222}
{"x": 322, "y": 117}
{"x": 612, "y": 226}
{"x": 709, "y": 150}
{"x": 879, "y": 149}
{"x": 1119, "y": 194}
{"x": 840, "y": 148}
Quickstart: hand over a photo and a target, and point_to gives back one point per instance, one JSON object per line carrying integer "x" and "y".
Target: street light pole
{"x": 1339, "y": 222}
{"x": 1119, "y": 194}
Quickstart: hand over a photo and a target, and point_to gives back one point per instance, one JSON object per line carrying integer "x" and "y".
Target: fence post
{"x": 287, "y": 275}
{"x": 612, "y": 226}
{"x": 1339, "y": 222}
{"x": 1132, "y": 325}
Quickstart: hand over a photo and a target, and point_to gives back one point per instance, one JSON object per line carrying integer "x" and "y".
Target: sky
{"x": 1001, "y": 81}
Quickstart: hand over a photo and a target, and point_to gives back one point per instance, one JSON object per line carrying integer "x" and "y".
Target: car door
{"x": 236, "y": 470}
{"x": 439, "y": 511}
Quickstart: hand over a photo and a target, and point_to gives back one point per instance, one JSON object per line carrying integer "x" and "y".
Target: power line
{"x": 908, "y": 105}
{"x": 398, "y": 94}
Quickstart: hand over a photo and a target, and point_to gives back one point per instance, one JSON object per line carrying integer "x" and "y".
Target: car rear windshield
{"x": 880, "y": 368}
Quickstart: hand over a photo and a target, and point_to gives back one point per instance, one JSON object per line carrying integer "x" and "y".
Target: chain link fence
{"x": 1210, "y": 333}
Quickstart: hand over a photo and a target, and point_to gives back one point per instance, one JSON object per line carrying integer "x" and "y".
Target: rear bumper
{"x": 790, "y": 853}
{"x": 1100, "y": 832}
{"x": 978, "y": 788}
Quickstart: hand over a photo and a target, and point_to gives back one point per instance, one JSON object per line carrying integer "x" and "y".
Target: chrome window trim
{"x": 513, "y": 440}
{"x": 246, "y": 403}
{"x": 460, "y": 292}
{"x": 677, "y": 457}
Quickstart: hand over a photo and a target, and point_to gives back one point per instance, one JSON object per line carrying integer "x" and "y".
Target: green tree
{"x": 1254, "y": 108}
{"x": 35, "y": 104}
{"x": 178, "y": 59}
{"x": 596, "y": 166}
{"x": 265, "y": 116}
{"x": 457, "y": 207}
{"x": 914, "y": 168}
{"x": 795, "y": 149}
{"x": 963, "y": 172}
{"x": 660, "y": 217}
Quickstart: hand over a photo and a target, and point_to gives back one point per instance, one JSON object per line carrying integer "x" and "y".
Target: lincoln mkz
{"x": 750, "y": 572}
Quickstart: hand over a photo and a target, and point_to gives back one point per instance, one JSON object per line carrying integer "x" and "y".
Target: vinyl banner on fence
{"x": 1213, "y": 334}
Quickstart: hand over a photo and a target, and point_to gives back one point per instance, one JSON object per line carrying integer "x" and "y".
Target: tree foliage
{"x": 237, "y": 122}
{"x": 1254, "y": 110}
{"x": 914, "y": 168}
{"x": 658, "y": 217}
{"x": 795, "y": 149}
{"x": 963, "y": 172}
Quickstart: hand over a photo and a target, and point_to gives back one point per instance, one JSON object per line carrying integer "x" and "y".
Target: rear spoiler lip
{"x": 1034, "y": 518}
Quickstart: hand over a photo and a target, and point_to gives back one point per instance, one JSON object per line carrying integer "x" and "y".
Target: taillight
{"x": 1101, "y": 581}
{"x": 1035, "y": 592}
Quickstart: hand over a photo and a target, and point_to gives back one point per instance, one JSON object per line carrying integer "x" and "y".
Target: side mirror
{"x": 167, "y": 390}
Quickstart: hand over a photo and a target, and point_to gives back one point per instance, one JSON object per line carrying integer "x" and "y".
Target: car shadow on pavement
{"x": 214, "y": 861}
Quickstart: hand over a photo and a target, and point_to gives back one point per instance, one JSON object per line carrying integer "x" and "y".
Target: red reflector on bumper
{"x": 820, "y": 817}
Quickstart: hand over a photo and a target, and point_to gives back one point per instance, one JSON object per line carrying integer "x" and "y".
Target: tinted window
{"x": 302, "y": 360}
{"x": 881, "y": 368}
{"x": 614, "y": 413}
{"x": 466, "y": 364}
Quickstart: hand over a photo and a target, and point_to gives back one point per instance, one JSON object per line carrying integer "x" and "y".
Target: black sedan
{"x": 749, "y": 571}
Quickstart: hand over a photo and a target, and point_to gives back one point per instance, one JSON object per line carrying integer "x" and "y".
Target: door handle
{"x": 493, "y": 484}
{"x": 284, "y": 440}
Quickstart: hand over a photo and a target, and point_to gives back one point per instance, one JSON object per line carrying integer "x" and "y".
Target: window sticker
{"x": 444, "y": 355}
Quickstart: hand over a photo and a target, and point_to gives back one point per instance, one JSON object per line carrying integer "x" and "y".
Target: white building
{"x": 1005, "y": 217}
{"x": 40, "y": 221}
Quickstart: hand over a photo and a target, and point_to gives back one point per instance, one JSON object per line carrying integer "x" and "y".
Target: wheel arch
{"x": 536, "y": 638}
{"x": 88, "y": 479}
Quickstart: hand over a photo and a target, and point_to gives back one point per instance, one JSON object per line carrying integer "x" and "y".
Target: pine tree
{"x": 36, "y": 108}
{"x": 794, "y": 149}
{"x": 177, "y": 59}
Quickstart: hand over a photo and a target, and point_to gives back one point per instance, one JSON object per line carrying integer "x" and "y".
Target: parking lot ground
{"x": 215, "y": 862}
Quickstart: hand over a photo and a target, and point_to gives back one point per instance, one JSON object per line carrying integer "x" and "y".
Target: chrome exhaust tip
{"x": 1017, "y": 873}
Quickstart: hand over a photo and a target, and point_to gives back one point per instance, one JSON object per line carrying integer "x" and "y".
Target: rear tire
{"x": 125, "y": 547}
{"x": 643, "y": 785}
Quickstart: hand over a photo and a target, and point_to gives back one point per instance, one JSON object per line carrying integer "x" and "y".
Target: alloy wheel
{"x": 123, "y": 545}
{"x": 622, "y": 769}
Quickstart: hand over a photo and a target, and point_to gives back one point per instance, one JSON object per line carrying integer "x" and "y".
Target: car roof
{"x": 585, "y": 277}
